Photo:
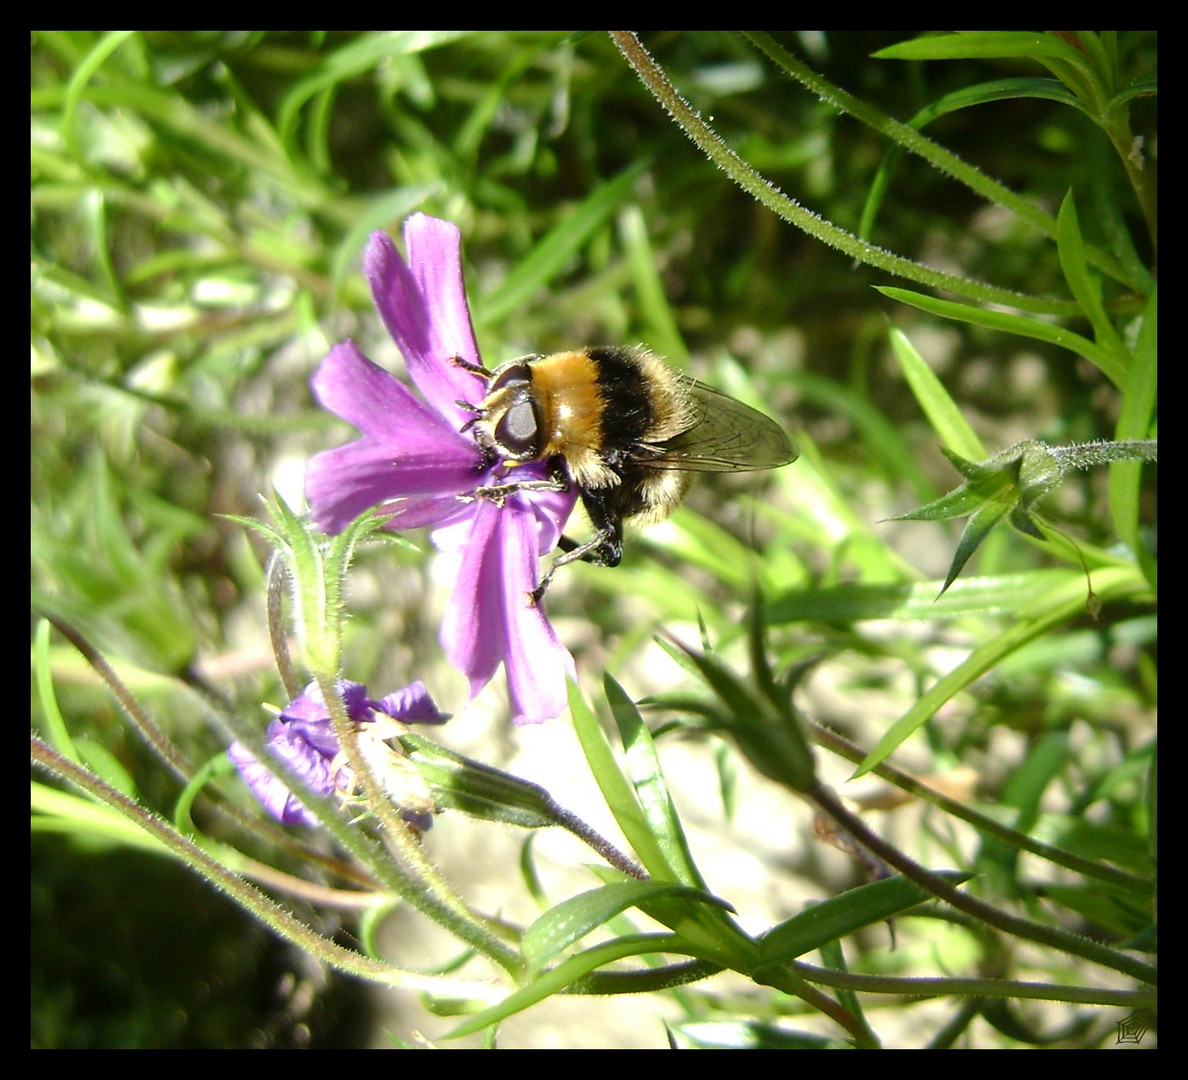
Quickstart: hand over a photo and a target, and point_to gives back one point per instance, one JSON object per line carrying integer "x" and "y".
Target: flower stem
{"x": 1050, "y": 936}
{"x": 415, "y": 878}
{"x": 247, "y": 896}
{"x": 912, "y": 140}
{"x": 712, "y": 145}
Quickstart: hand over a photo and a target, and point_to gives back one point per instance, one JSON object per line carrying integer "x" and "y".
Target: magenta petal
{"x": 551, "y": 510}
{"x": 276, "y": 798}
{"x": 341, "y": 483}
{"x": 406, "y": 449}
{"x": 435, "y": 258}
{"x": 537, "y": 664}
{"x": 423, "y": 305}
{"x": 418, "y": 462}
{"x": 413, "y": 705}
{"x": 303, "y": 739}
{"x": 374, "y": 400}
{"x": 473, "y": 628}
{"x": 490, "y": 617}
{"x": 301, "y": 746}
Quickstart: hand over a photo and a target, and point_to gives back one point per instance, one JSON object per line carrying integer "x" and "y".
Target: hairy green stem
{"x": 1050, "y": 936}
{"x": 989, "y": 988}
{"x": 248, "y": 897}
{"x": 912, "y": 140}
{"x": 417, "y": 879}
{"x": 712, "y": 145}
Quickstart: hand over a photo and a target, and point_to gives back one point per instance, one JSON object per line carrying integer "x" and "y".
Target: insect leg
{"x": 497, "y": 493}
{"x": 604, "y": 548}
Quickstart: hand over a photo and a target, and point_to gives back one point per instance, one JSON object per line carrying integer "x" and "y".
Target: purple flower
{"x": 417, "y": 460}
{"x": 303, "y": 738}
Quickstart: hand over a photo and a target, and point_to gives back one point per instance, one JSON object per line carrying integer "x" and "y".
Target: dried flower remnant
{"x": 303, "y": 738}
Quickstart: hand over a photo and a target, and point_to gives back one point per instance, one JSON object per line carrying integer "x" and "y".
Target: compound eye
{"x": 517, "y": 431}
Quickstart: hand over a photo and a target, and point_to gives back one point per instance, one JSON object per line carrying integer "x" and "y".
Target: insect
{"x": 622, "y": 427}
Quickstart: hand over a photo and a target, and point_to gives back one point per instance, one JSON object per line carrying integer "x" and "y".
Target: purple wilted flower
{"x": 303, "y": 738}
{"x": 417, "y": 460}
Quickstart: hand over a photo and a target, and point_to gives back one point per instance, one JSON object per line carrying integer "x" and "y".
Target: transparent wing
{"x": 725, "y": 436}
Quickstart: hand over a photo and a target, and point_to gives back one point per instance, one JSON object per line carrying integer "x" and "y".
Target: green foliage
{"x": 199, "y": 205}
{"x": 1011, "y": 483}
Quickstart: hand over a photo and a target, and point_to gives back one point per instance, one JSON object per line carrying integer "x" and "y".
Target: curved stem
{"x": 416, "y": 879}
{"x": 988, "y": 988}
{"x": 712, "y": 145}
{"x": 172, "y": 758}
{"x": 1133, "y": 883}
{"x": 912, "y": 140}
{"x": 248, "y": 897}
{"x": 1050, "y": 936}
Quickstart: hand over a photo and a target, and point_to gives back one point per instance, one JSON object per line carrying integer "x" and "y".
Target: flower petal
{"x": 276, "y": 798}
{"x": 413, "y": 705}
{"x": 341, "y": 483}
{"x": 490, "y": 617}
{"x": 551, "y": 510}
{"x": 305, "y": 757}
{"x": 417, "y": 461}
{"x": 375, "y": 401}
{"x": 536, "y": 663}
{"x": 473, "y": 627}
{"x": 423, "y": 305}
{"x": 406, "y": 449}
{"x": 272, "y": 792}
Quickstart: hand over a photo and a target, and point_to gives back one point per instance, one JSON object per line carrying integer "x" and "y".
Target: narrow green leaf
{"x": 1134, "y": 422}
{"x": 1143, "y": 86}
{"x": 985, "y": 44}
{"x": 473, "y": 788}
{"x": 883, "y": 440}
{"x": 64, "y": 812}
{"x": 976, "y": 530}
{"x": 557, "y": 979}
{"x": 841, "y": 915}
{"x": 1001, "y": 594}
{"x": 703, "y": 543}
{"x": 572, "y": 919}
{"x": 964, "y": 98}
{"x": 1094, "y": 840}
{"x": 1013, "y": 324}
{"x": 106, "y": 45}
{"x": 1045, "y": 611}
{"x": 651, "y": 789}
{"x": 942, "y": 411}
{"x": 555, "y": 250}
{"x": 833, "y": 957}
{"x": 57, "y": 730}
{"x": 1081, "y": 284}
{"x": 956, "y": 503}
{"x": 660, "y": 324}
{"x": 360, "y": 57}
{"x": 770, "y": 736}
{"x": 936, "y": 155}
{"x": 1118, "y": 914}
{"x": 997, "y": 90}
{"x": 618, "y": 793}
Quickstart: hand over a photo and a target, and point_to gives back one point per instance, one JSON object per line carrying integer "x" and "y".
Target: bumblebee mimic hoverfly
{"x": 622, "y": 427}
